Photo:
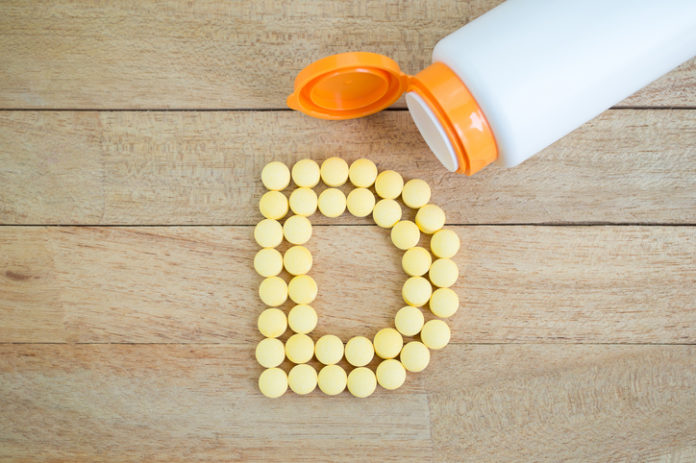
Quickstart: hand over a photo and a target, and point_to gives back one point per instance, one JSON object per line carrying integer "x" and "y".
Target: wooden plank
{"x": 196, "y": 284}
{"x": 563, "y": 403}
{"x": 473, "y": 403}
{"x": 210, "y": 54}
{"x": 203, "y": 168}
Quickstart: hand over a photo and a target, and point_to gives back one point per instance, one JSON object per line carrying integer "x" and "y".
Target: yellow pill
{"x": 362, "y": 382}
{"x": 273, "y": 291}
{"x": 329, "y": 349}
{"x": 273, "y": 383}
{"x": 268, "y": 233}
{"x": 416, "y": 261}
{"x": 362, "y": 173}
{"x": 405, "y": 234}
{"x": 302, "y": 319}
{"x": 305, "y": 173}
{"x": 270, "y": 352}
{"x": 445, "y": 243}
{"x": 359, "y": 351}
{"x": 415, "y": 356}
{"x": 275, "y": 175}
{"x": 297, "y": 260}
{"x": 388, "y": 343}
{"x": 302, "y": 289}
{"x": 416, "y": 291}
{"x": 303, "y": 201}
{"x": 332, "y": 202}
{"x": 435, "y": 334}
{"x": 443, "y": 273}
{"x": 266, "y": 262}
{"x": 416, "y": 193}
{"x": 430, "y": 218}
{"x": 360, "y": 202}
{"x": 389, "y": 184}
{"x": 387, "y": 213}
{"x": 409, "y": 320}
{"x": 391, "y": 374}
{"x": 444, "y": 302}
{"x": 273, "y": 205}
{"x": 299, "y": 348}
{"x": 334, "y": 171}
{"x": 332, "y": 380}
{"x": 272, "y": 323}
{"x": 302, "y": 379}
{"x": 297, "y": 229}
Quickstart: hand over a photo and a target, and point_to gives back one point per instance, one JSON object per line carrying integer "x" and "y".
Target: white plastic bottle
{"x": 516, "y": 79}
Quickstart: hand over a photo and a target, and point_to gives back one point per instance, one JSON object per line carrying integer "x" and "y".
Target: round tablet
{"x": 435, "y": 334}
{"x": 303, "y": 201}
{"x": 273, "y": 291}
{"x": 270, "y": 352}
{"x": 273, "y": 383}
{"x": 332, "y": 202}
{"x": 386, "y": 213}
{"x": 409, "y": 320}
{"x": 332, "y": 379}
{"x": 405, "y": 234}
{"x": 299, "y": 348}
{"x": 272, "y": 323}
{"x": 416, "y": 261}
{"x": 302, "y": 319}
{"x": 297, "y": 229}
{"x": 362, "y": 173}
{"x": 416, "y": 193}
{"x": 443, "y": 273}
{"x": 334, "y": 171}
{"x": 359, "y": 351}
{"x": 302, "y": 289}
{"x": 445, "y": 243}
{"x": 430, "y": 218}
{"x": 305, "y": 173}
{"x": 268, "y": 262}
{"x": 329, "y": 349}
{"x": 362, "y": 382}
{"x": 268, "y": 233}
{"x": 275, "y": 175}
{"x": 415, "y": 356}
{"x": 302, "y": 379}
{"x": 391, "y": 374}
{"x": 416, "y": 291}
{"x": 444, "y": 302}
{"x": 388, "y": 343}
{"x": 273, "y": 205}
{"x": 360, "y": 202}
{"x": 297, "y": 260}
{"x": 389, "y": 184}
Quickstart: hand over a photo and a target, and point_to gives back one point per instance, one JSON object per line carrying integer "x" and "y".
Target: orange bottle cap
{"x": 348, "y": 85}
{"x": 356, "y": 84}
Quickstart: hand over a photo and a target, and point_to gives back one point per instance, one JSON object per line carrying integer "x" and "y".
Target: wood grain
{"x": 211, "y": 54}
{"x": 196, "y": 284}
{"x": 203, "y": 168}
{"x": 473, "y": 403}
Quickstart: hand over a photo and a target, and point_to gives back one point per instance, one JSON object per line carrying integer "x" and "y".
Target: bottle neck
{"x": 451, "y": 122}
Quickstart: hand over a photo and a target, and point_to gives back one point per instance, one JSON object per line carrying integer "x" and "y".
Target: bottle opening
{"x": 432, "y": 131}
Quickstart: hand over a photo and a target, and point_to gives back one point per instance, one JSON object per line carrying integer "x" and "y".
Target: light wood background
{"x": 132, "y": 135}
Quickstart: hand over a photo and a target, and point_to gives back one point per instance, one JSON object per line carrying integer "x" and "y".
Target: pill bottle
{"x": 514, "y": 80}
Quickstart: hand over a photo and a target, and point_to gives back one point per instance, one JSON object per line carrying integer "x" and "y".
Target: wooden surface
{"x": 128, "y": 299}
{"x": 216, "y": 54}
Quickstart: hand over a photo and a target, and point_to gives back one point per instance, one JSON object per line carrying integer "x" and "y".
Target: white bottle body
{"x": 538, "y": 69}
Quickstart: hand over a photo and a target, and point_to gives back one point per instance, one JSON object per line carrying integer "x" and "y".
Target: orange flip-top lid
{"x": 348, "y": 85}
{"x": 356, "y": 84}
